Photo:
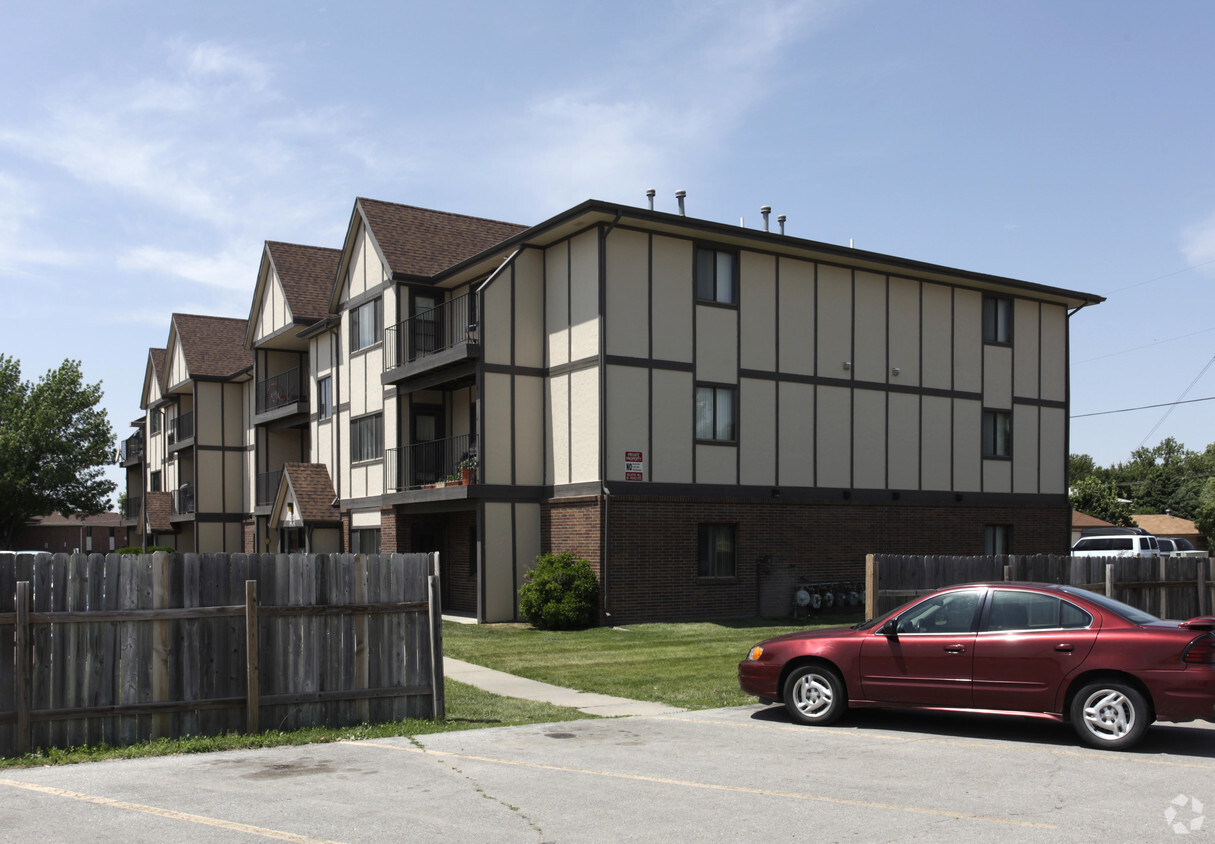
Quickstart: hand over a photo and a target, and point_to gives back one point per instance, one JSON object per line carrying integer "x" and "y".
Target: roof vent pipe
{"x": 781, "y": 220}
{"x": 765, "y": 210}
{"x": 680, "y": 194}
{"x": 650, "y": 194}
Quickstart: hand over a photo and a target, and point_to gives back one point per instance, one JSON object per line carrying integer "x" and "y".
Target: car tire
{"x": 815, "y": 694}
{"x": 1110, "y": 715}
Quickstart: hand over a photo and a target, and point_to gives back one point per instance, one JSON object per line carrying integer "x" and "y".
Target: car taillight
{"x": 1201, "y": 650}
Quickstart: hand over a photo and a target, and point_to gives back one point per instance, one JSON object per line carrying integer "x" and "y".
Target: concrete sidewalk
{"x": 501, "y": 683}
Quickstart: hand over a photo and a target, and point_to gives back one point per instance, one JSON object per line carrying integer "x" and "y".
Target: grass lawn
{"x": 468, "y": 708}
{"x": 693, "y": 665}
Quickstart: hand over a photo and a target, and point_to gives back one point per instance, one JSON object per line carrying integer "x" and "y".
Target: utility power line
{"x": 1143, "y": 407}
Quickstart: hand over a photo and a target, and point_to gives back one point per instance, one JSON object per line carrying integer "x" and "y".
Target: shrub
{"x": 560, "y": 593}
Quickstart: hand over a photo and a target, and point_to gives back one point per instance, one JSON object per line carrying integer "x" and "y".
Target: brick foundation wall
{"x": 459, "y": 585}
{"x": 652, "y": 569}
{"x": 64, "y": 539}
{"x": 346, "y": 532}
{"x": 391, "y": 539}
{"x": 573, "y": 525}
{"x": 249, "y": 536}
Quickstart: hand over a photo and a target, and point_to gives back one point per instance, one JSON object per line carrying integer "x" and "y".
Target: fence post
{"x": 1203, "y": 604}
{"x": 1162, "y": 565}
{"x": 1109, "y": 580}
{"x": 436, "y": 650}
{"x": 871, "y": 587}
{"x": 24, "y": 680}
{"x": 252, "y": 703}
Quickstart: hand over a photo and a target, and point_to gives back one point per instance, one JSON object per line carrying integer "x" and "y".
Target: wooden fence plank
{"x": 128, "y": 691}
{"x": 24, "y": 667}
{"x": 252, "y": 702}
{"x": 189, "y": 642}
{"x": 8, "y": 655}
{"x": 75, "y": 733}
{"x": 161, "y": 724}
{"x": 98, "y": 658}
{"x": 111, "y": 643}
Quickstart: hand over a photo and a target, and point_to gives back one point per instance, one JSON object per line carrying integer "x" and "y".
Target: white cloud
{"x": 227, "y": 270}
{"x": 1198, "y": 245}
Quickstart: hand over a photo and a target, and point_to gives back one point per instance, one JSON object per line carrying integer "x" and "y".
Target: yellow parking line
{"x": 919, "y": 738}
{"x": 163, "y": 813}
{"x": 738, "y": 789}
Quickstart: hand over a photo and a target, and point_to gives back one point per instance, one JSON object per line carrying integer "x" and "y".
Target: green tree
{"x": 1079, "y": 467}
{"x": 1099, "y": 499}
{"x": 54, "y": 443}
{"x": 1204, "y": 516}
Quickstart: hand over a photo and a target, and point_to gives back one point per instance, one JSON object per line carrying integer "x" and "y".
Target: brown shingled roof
{"x": 1084, "y": 520}
{"x": 159, "y": 506}
{"x": 57, "y": 519}
{"x": 307, "y": 274}
{"x": 313, "y": 491}
{"x": 421, "y": 242}
{"x": 213, "y": 346}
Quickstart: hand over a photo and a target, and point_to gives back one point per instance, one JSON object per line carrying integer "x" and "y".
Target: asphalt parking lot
{"x": 744, "y": 773}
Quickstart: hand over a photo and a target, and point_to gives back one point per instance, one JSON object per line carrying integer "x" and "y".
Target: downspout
{"x": 605, "y": 542}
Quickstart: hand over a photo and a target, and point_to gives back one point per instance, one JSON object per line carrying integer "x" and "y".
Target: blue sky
{"x": 148, "y": 149}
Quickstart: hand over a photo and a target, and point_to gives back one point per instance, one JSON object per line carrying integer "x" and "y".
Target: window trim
{"x": 993, "y": 337}
{"x": 356, "y": 438}
{"x": 324, "y": 409}
{"x": 706, "y": 531}
{"x": 377, "y": 330}
{"x": 734, "y": 409}
{"x": 734, "y": 272}
{"x": 989, "y": 444}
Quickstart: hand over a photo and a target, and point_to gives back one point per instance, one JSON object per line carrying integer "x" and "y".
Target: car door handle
{"x": 1065, "y": 647}
{"x": 955, "y": 649}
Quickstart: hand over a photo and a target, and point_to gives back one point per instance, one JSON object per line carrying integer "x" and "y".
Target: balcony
{"x": 440, "y": 342}
{"x": 131, "y": 507}
{"x": 267, "y": 487}
{"x": 449, "y": 462}
{"x": 181, "y": 430}
{"x": 131, "y": 450}
{"x": 183, "y": 500}
{"x": 281, "y": 396}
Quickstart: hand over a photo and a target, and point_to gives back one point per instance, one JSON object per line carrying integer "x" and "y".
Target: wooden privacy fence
{"x": 119, "y": 649}
{"x": 1168, "y": 587}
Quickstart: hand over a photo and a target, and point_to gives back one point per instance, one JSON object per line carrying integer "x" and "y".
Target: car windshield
{"x": 1118, "y": 608}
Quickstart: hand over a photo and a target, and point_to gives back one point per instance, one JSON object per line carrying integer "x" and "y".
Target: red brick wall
{"x": 249, "y": 533}
{"x": 65, "y": 539}
{"x": 346, "y": 532}
{"x": 391, "y": 539}
{"x": 652, "y": 569}
{"x": 573, "y": 524}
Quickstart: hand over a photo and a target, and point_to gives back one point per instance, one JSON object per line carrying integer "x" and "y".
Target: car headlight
{"x": 755, "y": 653}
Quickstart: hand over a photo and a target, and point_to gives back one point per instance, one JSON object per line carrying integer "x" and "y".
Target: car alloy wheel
{"x": 1109, "y": 715}
{"x": 815, "y": 695}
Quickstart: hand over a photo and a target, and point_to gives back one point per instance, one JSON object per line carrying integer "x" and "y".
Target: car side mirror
{"x": 890, "y": 628}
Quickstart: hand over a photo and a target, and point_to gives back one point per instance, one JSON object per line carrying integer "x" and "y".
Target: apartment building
{"x": 709, "y": 413}
{"x": 196, "y": 397}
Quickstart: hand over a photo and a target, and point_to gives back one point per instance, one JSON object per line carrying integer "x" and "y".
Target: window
{"x": 953, "y": 612}
{"x": 365, "y": 541}
{"x": 367, "y": 438}
{"x": 997, "y": 320}
{"x": 996, "y": 539}
{"x": 156, "y": 482}
{"x": 155, "y": 421}
{"x": 716, "y": 550}
{"x": 715, "y": 413}
{"x": 366, "y": 324}
{"x": 716, "y": 276}
{"x": 324, "y": 397}
{"x": 997, "y": 433}
{"x": 1012, "y": 610}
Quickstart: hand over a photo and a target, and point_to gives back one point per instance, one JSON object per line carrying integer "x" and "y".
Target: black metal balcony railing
{"x": 131, "y": 507}
{"x": 182, "y": 428}
{"x": 183, "y": 500}
{"x": 429, "y": 331}
{"x": 279, "y": 391}
{"x": 450, "y": 460}
{"x": 267, "y": 486}
{"x": 131, "y": 448}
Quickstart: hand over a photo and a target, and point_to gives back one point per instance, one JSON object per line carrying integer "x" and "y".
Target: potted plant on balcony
{"x": 468, "y": 470}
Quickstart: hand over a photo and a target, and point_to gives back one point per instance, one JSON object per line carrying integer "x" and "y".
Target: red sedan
{"x": 1027, "y": 649}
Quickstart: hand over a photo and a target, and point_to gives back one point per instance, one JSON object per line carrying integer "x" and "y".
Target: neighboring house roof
{"x": 1159, "y": 524}
{"x": 1084, "y": 520}
{"x": 312, "y": 489}
{"x": 214, "y": 347}
{"x": 159, "y": 506}
{"x": 307, "y": 274}
{"x": 59, "y": 520}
